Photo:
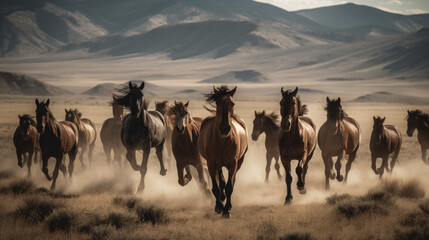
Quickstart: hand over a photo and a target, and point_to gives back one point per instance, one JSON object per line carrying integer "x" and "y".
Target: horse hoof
{"x": 226, "y": 214}
{"x": 332, "y": 176}
{"x": 189, "y": 177}
{"x": 340, "y": 178}
{"x": 288, "y": 201}
{"x": 218, "y": 209}
{"x": 163, "y": 172}
{"x": 303, "y": 191}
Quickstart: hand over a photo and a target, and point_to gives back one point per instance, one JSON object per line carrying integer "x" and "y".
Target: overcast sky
{"x": 396, "y": 6}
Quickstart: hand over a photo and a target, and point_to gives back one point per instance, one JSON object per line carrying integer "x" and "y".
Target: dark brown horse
{"x": 223, "y": 143}
{"x": 420, "y": 121}
{"x": 338, "y": 136}
{"x": 87, "y": 132}
{"x": 26, "y": 141}
{"x": 110, "y": 135}
{"x": 267, "y": 124}
{"x": 162, "y": 107}
{"x": 56, "y": 139}
{"x": 297, "y": 139}
{"x": 385, "y": 140}
{"x": 185, "y": 143}
{"x": 141, "y": 130}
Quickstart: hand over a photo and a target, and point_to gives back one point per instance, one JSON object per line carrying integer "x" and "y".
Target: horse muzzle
{"x": 286, "y": 126}
{"x": 410, "y": 133}
{"x": 180, "y": 129}
{"x": 254, "y": 137}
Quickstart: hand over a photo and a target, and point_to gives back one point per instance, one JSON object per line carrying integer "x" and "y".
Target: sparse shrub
{"x": 36, "y": 209}
{"x": 379, "y": 197}
{"x": 6, "y": 174}
{"x": 355, "y": 207}
{"x": 266, "y": 231}
{"x": 414, "y": 233}
{"x": 152, "y": 214}
{"x": 334, "y": 199}
{"x": 408, "y": 189}
{"x": 118, "y": 220}
{"x": 21, "y": 186}
{"x": 298, "y": 236}
{"x": 417, "y": 219}
{"x": 61, "y": 220}
{"x": 130, "y": 203}
{"x": 424, "y": 206}
{"x": 101, "y": 232}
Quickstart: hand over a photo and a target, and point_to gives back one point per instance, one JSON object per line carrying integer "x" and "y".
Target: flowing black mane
{"x": 123, "y": 97}
{"x": 29, "y": 118}
{"x": 215, "y": 95}
{"x": 331, "y": 106}
{"x": 273, "y": 117}
{"x": 302, "y": 108}
{"x": 421, "y": 115}
{"x": 161, "y": 107}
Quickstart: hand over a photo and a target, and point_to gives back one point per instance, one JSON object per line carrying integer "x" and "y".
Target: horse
{"x": 162, "y": 107}
{"x": 296, "y": 140}
{"x": 418, "y": 120}
{"x": 110, "y": 135}
{"x": 56, "y": 139}
{"x": 26, "y": 141}
{"x": 338, "y": 136}
{"x": 385, "y": 140}
{"x": 223, "y": 143}
{"x": 184, "y": 140}
{"x": 267, "y": 124}
{"x": 87, "y": 132}
{"x": 141, "y": 129}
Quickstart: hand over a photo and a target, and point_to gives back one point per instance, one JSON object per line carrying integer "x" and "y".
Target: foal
{"x": 385, "y": 140}
{"x": 267, "y": 124}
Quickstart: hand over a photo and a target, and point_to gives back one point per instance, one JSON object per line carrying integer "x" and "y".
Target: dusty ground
{"x": 258, "y": 209}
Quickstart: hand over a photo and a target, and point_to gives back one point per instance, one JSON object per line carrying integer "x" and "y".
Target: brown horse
{"x": 185, "y": 143}
{"x": 56, "y": 139}
{"x": 338, "y": 136}
{"x": 87, "y": 132}
{"x": 26, "y": 141}
{"x": 296, "y": 140}
{"x": 385, "y": 139}
{"x": 420, "y": 121}
{"x": 223, "y": 143}
{"x": 267, "y": 124}
{"x": 110, "y": 135}
{"x": 162, "y": 107}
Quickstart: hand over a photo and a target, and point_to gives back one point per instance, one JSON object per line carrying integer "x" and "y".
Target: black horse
{"x": 141, "y": 129}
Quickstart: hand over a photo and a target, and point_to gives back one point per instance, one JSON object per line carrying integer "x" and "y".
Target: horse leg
{"x": 117, "y": 156}
{"x": 352, "y": 157}
{"x": 72, "y": 157}
{"x": 286, "y": 165}
{"x": 131, "y": 157}
{"x": 45, "y": 159}
{"x": 201, "y": 180}
{"x": 107, "y": 151}
{"x": 424, "y": 155}
{"x": 226, "y": 213}
{"x": 373, "y": 163}
{"x": 338, "y": 166}
{"x": 394, "y": 158}
{"x": 268, "y": 167}
{"x": 221, "y": 185}
{"x": 58, "y": 163}
{"x": 19, "y": 156}
{"x": 159, "y": 154}
{"x": 182, "y": 180}
{"x": 29, "y": 161}
{"x": 329, "y": 173}
{"x": 143, "y": 168}
{"x": 36, "y": 152}
{"x": 277, "y": 167}
{"x": 216, "y": 189}
{"x": 300, "y": 173}
{"x": 83, "y": 150}
{"x": 90, "y": 150}
{"x": 384, "y": 163}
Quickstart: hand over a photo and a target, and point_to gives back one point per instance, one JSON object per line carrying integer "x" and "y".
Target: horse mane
{"x": 215, "y": 95}
{"x": 421, "y": 115}
{"x": 29, "y": 118}
{"x": 273, "y": 117}
{"x": 302, "y": 108}
{"x": 122, "y": 97}
{"x": 162, "y": 107}
{"x": 342, "y": 113}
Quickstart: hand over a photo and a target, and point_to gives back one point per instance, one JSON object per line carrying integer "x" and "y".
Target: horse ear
{"x": 328, "y": 100}
{"x": 282, "y": 90}
{"x": 339, "y": 100}
{"x": 382, "y": 120}
{"x": 19, "y": 117}
{"x": 263, "y": 112}
{"x": 187, "y": 103}
{"x": 256, "y": 113}
{"x": 175, "y": 102}
{"x": 408, "y": 111}
{"x": 130, "y": 85}
{"x": 37, "y": 102}
{"x": 232, "y": 92}
{"x": 373, "y": 118}
{"x": 47, "y": 103}
{"x": 141, "y": 86}
{"x": 65, "y": 109}
{"x": 79, "y": 115}
{"x": 214, "y": 89}
{"x": 295, "y": 92}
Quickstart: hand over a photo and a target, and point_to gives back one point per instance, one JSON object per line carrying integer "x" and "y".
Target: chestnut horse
{"x": 418, "y": 120}
{"x": 223, "y": 143}
{"x": 184, "y": 141}
{"x": 141, "y": 130}
{"x": 296, "y": 140}
{"x": 87, "y": 132}
{"x": 338, "y": 136}
{"x": 385, "y": 140}
{"x": 56, "y": 139}
{"x": 162, "y": 107}
{"x": 26, "y": 141}
{"x": 110, "y": 135}
{"x": 267, "y": 124}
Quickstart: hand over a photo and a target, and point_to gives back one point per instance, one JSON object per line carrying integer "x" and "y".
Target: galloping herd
{"x": 212, "y": 143}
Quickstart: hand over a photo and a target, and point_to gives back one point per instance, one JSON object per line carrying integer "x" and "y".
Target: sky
{"x": 395, "y": 6}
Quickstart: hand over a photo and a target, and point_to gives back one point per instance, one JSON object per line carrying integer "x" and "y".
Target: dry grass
{"x": 62, "y": 220}
{"x": 35, "y": 209}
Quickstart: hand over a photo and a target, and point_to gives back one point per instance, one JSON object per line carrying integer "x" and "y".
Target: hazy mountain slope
{"x": 351, "y": 16}
{"x": 422, "y": 19}
{"x": 245, "y": 76}
{"x": 12, "y": 83}
{"x": 387, "y": 97}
